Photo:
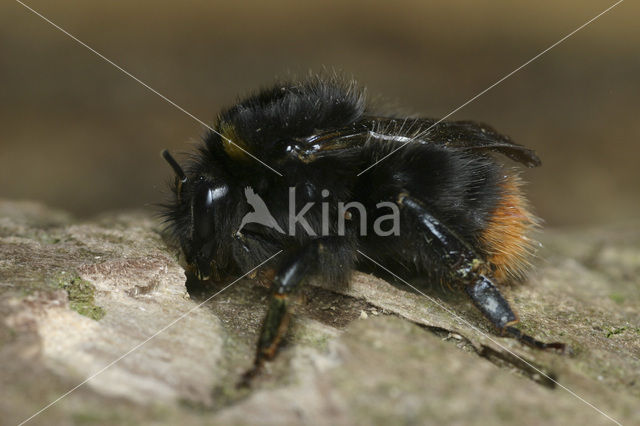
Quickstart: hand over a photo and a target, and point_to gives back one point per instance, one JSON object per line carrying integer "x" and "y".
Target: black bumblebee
{"x": 292, "y": 158}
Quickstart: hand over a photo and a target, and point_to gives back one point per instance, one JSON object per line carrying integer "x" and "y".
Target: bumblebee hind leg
{"x": 467, "y": 267}
{"x": 488, "y": 299}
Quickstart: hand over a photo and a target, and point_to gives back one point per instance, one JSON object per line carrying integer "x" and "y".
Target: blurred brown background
{"x": 79, "y": 134}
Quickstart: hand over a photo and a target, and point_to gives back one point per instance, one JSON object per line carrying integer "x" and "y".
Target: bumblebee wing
{"x": 329, "y": 143}
{"x": 456, "y": 134}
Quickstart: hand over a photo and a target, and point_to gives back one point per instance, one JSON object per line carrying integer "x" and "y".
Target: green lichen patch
{"x": 310, "y": 333}
{"x": 81, "y": 295}
{"x": 617, "y": 297}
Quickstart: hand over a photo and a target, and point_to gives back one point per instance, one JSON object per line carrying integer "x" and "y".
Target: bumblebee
{"x": 303, "y": 152}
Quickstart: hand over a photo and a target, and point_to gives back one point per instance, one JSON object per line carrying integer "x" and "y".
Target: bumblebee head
{"x": 197, "y": 219}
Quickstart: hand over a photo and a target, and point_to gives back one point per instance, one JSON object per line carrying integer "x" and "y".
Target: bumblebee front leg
{"x": 469, "y": 268}
{"x": 291, "y": 272}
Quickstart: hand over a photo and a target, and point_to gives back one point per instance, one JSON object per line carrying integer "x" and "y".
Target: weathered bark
{"x": 76, "y": 296}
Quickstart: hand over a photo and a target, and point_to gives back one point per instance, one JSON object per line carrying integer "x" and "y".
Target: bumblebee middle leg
{"x": 467, "y": 267}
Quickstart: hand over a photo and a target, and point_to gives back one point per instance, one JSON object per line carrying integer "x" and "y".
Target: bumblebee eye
{"x": 205, "y": 199}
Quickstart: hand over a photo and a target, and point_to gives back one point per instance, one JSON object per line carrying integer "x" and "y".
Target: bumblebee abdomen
{"x": 505, "y": 240}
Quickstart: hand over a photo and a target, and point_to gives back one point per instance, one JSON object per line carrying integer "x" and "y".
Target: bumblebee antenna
{"x": 174, "y": 165}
